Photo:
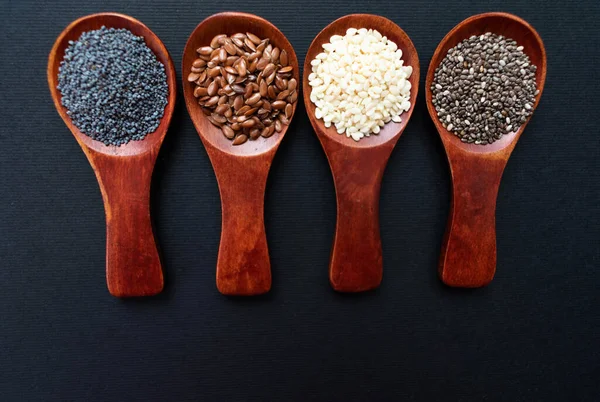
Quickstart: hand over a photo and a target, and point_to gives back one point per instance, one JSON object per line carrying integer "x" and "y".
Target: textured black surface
{"x": 532, "y": 335}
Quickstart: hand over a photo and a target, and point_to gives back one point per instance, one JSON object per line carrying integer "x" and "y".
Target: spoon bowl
{"x": 468, "y": 257}
{"x": 391, "y": 131}
{"x": 243, "y": 266}
{"x": 230, "y": 23}
{"x": 503, "y": 24}
{"x": 112, "y": 20}
{"x": 124, "y": 173}
{"x": 357, "y": 167}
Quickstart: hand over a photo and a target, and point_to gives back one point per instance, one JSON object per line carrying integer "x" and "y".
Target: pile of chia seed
{"x": 114, "y": 88}
{"x": 484, "y": 88}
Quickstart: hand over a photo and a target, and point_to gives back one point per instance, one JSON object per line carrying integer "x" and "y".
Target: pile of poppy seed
{"x": 114, "y": 88}
{"x": 484, "y": 88}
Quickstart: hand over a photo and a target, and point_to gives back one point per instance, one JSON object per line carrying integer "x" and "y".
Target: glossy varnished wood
{"x": 468, "y": 257}
{"x": 357, "y": 167}
{"x": 243, "y": 265}
{"x": 124, "y": 173}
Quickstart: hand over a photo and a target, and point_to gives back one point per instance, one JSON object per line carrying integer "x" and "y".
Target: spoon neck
{"x": 243, "y": 266}
{"x": 133, "y": 266}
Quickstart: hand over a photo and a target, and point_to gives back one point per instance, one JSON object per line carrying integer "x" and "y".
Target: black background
{"x": 531, "y": 335}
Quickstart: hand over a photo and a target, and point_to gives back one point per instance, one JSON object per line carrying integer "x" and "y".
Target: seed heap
{"x": 359, "y": 83}
{"x": 245, "y": 86}
{"x": 484, "y": 88}
{"x": 114, "y": 88}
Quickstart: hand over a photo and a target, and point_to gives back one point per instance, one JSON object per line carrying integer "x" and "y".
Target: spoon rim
{"x": 396, "y": 129}
{"x": 263, "y": 145}
{"x": 507, "y": 141}
{"x": 133, "y": 147}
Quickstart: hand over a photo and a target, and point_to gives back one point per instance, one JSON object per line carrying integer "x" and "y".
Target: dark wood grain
{"x": 468, "y": 257}
{"x": 124, "y": 173}
{"x": 357, "y": 167}
{"x": 243, "y": 265}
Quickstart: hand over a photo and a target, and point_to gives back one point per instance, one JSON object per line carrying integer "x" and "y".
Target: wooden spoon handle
{"x": 243, "y": 265}
{"x": 133, "y": 266}
{"x": 468, "y": 257}
{"x": 356, "y": 258}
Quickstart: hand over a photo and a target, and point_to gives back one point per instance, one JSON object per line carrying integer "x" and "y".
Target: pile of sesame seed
{"x": 360, "y": 83}
{"x": 114, "y": 88}
{"x": 484, "y": 88}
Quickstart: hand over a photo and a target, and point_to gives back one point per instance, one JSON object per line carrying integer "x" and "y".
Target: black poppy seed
{"x": 113, "y": 86}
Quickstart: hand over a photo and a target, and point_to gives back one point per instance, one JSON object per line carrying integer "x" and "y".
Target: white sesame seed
{"x": 360, "y": 83}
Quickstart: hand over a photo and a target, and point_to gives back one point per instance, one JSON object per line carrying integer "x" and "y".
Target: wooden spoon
{"x": 124, "y": 173}
{"x": 357, "y": 167}
{"x": 468, "y": 257}
{"x": 243, "y": 266}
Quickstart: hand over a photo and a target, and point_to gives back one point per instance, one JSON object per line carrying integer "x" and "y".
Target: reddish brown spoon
{"x": 243, "y": 266}
{"x": 124, "y": 173}
{"x": 357, "y": 167}
{"x": 468, "y": 256}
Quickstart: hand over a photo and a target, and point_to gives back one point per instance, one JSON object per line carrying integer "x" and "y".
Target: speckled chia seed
{"x": 484, "y": 88}
{"x": 113, "y": 86}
